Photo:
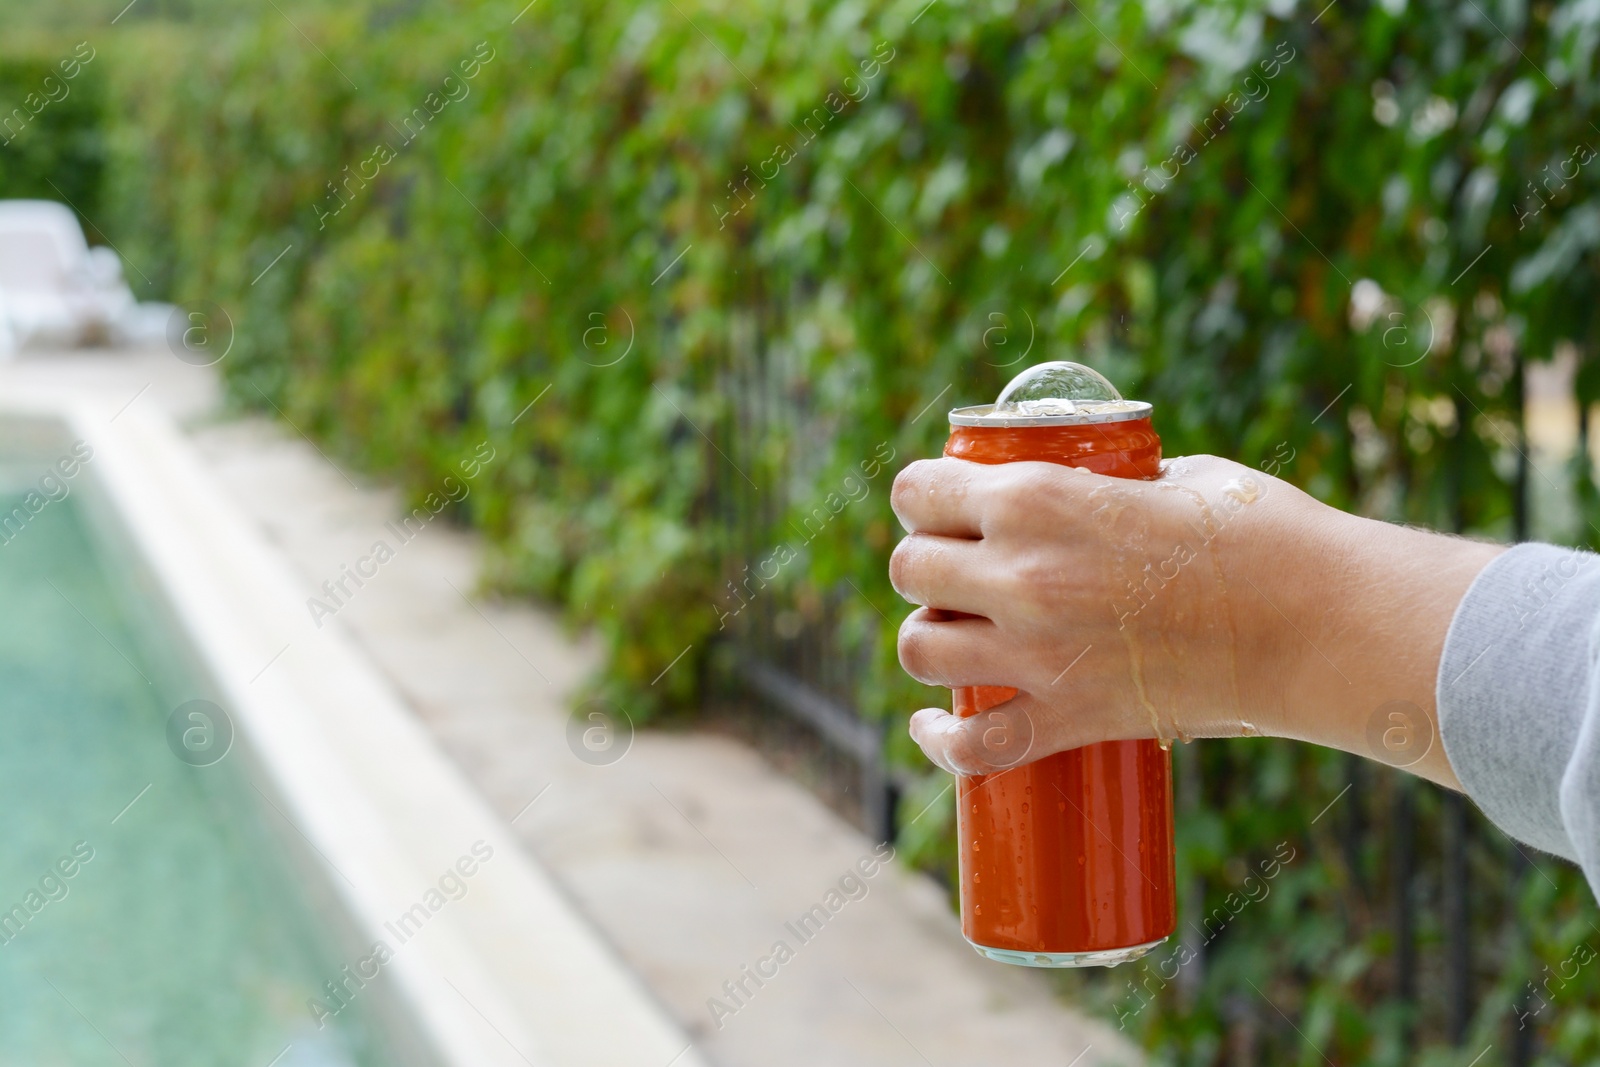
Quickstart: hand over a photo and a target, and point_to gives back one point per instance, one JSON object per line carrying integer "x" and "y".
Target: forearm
{"x": 1371, "y": 604}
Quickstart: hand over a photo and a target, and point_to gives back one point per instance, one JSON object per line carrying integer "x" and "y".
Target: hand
{"x": 1212, "y": 601}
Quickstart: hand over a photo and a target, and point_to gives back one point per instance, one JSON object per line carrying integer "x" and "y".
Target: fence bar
{"x": 1405, "y": 918}
{"x": 1523, "y": 1037}
{"x": 860, "y": 739}
{"x": 1457, "y": 920}
{"x": 1352, "y": 825}
{"x": 1520, "y": 1026}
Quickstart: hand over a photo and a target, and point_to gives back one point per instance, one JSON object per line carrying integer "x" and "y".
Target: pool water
{"x": 182, "y": 934}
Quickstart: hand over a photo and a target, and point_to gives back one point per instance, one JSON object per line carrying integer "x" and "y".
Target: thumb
{"x": 996, "y": 739}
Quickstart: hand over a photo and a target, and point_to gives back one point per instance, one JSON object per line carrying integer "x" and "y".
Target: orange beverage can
{"x": 1066, "y": 861}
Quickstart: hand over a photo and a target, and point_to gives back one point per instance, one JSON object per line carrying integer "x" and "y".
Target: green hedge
{"x": 52, "y": 133}
{"x": 852, "y": 251}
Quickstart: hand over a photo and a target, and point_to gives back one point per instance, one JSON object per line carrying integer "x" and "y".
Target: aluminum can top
{"x": 1058, "y": 393}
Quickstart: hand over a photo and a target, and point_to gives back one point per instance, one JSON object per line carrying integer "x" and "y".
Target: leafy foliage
{"x": 51, "y": 133}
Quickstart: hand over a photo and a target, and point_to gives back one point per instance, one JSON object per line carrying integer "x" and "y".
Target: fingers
{"x": 943, "y": 572}
{"x": 941, "y": 496}
{"x": 951, "y": 652}
{"x": 958, "y": 498}
{"x": 988, "y": 742}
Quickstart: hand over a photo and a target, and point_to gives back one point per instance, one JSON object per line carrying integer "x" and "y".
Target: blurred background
{"x": 743, "y": 257}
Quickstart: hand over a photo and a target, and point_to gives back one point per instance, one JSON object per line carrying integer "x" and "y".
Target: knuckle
{"x": 1209, "y": 468}
{"x": 916, "y": 655}
{"x": 1016, "y": 492}
{"x": 965, "y": 748}
{"x": 907, "y": 484}
{"x": 902, "y": 566}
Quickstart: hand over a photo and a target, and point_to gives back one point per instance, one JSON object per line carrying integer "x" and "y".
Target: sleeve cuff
{"x": 1513, "y": 686}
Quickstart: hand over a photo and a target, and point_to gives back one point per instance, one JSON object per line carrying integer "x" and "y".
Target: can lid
{"x": 1058, "y": 393}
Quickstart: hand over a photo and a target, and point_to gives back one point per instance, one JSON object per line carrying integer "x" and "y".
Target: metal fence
{"x": 785, "y": 649}
{"x": 784, "y": 644}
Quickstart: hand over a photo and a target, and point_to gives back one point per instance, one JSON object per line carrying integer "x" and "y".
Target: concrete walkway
{"x": 690, "y": 854}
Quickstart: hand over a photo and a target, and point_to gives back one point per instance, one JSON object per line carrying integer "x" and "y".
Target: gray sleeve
{"x": 1519, "y": 700}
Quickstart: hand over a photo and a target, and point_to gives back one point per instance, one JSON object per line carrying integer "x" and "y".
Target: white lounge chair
{"x": 55, "y": 290}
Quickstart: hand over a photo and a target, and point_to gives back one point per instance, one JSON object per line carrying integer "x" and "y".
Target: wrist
{"x": 1288, "y": 573}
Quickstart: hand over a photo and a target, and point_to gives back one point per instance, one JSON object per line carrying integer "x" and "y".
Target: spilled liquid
{"x": 1219, "y": 583}
{"x": 1206, "y": 527}
{"x": 1242, "y": 490}
{"x": 1129, "y": 545}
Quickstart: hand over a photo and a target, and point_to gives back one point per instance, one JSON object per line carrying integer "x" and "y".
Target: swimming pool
{"x": 334, "y": 867}
{"x": 150, "y": 912}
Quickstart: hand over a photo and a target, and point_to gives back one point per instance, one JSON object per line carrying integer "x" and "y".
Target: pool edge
{"x": 362, "y": 780}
